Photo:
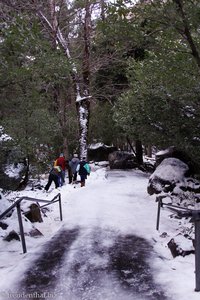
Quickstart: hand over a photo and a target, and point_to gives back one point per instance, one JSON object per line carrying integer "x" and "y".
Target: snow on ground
{"x": 13, "y": 170}
{"x": 3, "y": 136}
{"x": 116, "y": 201}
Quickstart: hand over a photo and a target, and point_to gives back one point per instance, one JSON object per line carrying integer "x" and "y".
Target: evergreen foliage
{"x": 141, "y": 66}
{"x": 162, "y": 105}
{"x": 30, "y": 70}
{"x": 102, "y": 126}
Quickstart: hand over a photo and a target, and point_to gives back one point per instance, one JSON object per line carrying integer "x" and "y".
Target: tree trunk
{"x": 83, "y": 106}
{"x": 25, "y": 179}
{"x": 186, "y": 31}
{"x": 65, "y": 147}
{"x": 83, "y": 114}
{"x": 59, "y": 103}
{"x": 149, "y": 151}
{"x": 81, "y": 95}
{"x": 139, "y": 152}
{"x": 54, "y": 22}
{"x": 102, "y": 3}
{"x": 129, "y": 143}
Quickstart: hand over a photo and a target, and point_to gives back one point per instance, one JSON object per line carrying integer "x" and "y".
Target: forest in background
{"x": 77, "y": 72}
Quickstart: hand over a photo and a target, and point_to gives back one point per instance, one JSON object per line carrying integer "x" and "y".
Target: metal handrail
{"x": 195, "y": 215}
{"x": 170, "y": 206}
{"x": 57, "y": 198}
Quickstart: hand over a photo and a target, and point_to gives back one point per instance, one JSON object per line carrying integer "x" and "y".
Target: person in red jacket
{"x": 60, "y": 161}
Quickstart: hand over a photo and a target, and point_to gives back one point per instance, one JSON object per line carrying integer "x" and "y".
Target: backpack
{"x": 87, "y": 167}
{"x": 57, "y": 168}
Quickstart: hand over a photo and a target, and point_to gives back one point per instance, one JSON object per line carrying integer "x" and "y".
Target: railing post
{"x": 21, "y": 228}
{"x": 196, "y": 217}
{"x": 60, "y": 207}
{"x": 158, "y": 213}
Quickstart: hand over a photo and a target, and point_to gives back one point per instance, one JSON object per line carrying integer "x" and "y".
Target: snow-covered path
{"x": 99, "y": 252}
{"x": 105, "y": 247}
{"x": 89, "y": 269}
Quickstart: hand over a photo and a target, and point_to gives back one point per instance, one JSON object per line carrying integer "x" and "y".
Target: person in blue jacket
{"x": 83, "y": 170}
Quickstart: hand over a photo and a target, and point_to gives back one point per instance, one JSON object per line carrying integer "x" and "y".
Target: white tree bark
{"x": 82, "y": 101}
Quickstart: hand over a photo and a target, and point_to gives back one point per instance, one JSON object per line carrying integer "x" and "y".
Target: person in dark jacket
{"x": 54, "y": 176}
{"x": 84, "y": 170}
{"x": 70, "y": 175}
{"x": 73, "y": 165}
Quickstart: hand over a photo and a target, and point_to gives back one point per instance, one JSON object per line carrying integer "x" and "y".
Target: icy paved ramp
{"x": 43, "y": 275}
{"x": 95, "y": 264}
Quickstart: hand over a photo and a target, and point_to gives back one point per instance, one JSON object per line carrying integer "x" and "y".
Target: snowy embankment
{"x": 116, "y": 202}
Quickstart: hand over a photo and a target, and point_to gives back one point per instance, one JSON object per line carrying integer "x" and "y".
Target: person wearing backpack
{"x": 60, "y": 161}
{"x": 83, "y": 170}
{"x": 54, "y": 176}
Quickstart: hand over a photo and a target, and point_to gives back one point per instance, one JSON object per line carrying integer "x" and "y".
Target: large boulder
{"x": 122, "y": 160}
{"x": 176, "y": 153}
{"x": 181, "y": 246}
{"x": 100, "y": 152}
{"x": 13, "y": 235}
{"x": 34, "y": 214}
{"x": 3, "y": 225}
{"x": 169, "y": 173}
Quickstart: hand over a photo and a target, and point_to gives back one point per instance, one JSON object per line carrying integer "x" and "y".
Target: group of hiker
{"x": 74, "y": 167}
